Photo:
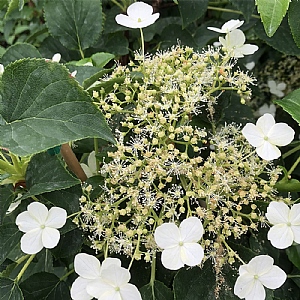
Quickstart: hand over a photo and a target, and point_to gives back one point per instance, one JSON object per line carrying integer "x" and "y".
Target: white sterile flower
{"x": 264, "y": 109}
{"x": 91, "y": 168}
{"x": 40, "y": 227}
{"x": 234, "y": 43}
{"x": 1, "y": 69}
{"x": 266, "y": 135}
{"x": 259, "y": 272}
{"x": 276, "y": 89}
{"x": 180, "y": 244}
{"x": 88, "y": 268}
{"x": 228, "y": 26}
{"x": 286, "y": 223}
{"x": 140, "y": 15}
{"x": 113, "y": 283}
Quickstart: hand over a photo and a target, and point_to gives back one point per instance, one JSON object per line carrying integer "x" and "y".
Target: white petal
{"x": 56, "y": 57}
{"x": 87, "y": 266}
{"x": 139, "y": 10}
{"x": 191, "y": 254}
{"x": 281, "y": 134}
{"x": 265, "y": 123}
{"x": 235, "y": 38}
{"x": 38, "y": 211}
{"x": 191, "y": 230}
{"x": 268, "y": 151}
{"x": 50, "y": 237}
{"x": 257, "y": 292}
{"x": 126, "y": 21}
{"x": 115, "y": 275}
{"x": 215, "y": 29}
{"x": 243, "y": 285}
{"x": 274, "y": 278}
{"x": 281, "y": 86}
{"x": 57, "y": 217}
{"x": 296, "y": 233}
{"x": 253, "y": 135}
{"x": 272, "y": 85}
{"x": 86, "y": 169}
{"x": 295, "y": 214}
{"x": 92, "y": 162}
{"x": 31, "y": 242}
{"x": 167, "y": 235}
{"x": 260, "y": 264}
{"x": 26, "y": 222}
{"x": 110, "y": 261}
{"x": 149, "y": 21}
{"x": 130, "y": 292}
{"x": 248, "y": 49}
{"x": 277, "y": 213}
{"x": 171, "y": 258}
{"x": 78, "y": 289}
{"x": 231, "y": 25}
{"x": 281, "y": 236}
{"x": 101, "y": 290}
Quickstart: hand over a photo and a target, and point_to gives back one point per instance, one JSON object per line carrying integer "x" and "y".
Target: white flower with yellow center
{"x": 286, "y": 223}
{"x": 266, "y": 135}
{"x": 259, "y": 272}
{"x": 40, "y": 227}
{"x": 180, "y": 245}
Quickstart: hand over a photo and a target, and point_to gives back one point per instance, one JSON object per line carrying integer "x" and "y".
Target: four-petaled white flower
{"x": 228, "y": 26}
{"x": 113, "y": 283}
{"x": 264, "y": 109}
{"x": 40, "y": 227}
{"x": 276, "y": 89}
{"x": 180, "y": 245}
{"x": 234, "y": 43}
{"x": 266, "y": 135}
{"x": 91, "y": 168}
{"x": 140, "y": 15}
{"x": 259, "y": 272}
{"x": 286, "y": 223}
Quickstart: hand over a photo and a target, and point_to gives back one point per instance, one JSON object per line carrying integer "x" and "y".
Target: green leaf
{"x": 246, "y": 7}
{"x": 69, "y": 244}
{"x": 291, "y": 104}
{"x": 45, "y": 107}
{"x": 66, "y": 198}
{"x": 191, "y": 10}
{"x": 6, "y": 198}
{"x": 9, "y": 237}
{"x": 9, "y": 290}
{"x": 76, "y": 23}
{"x": 272, "y": 12}
{"x": 293, "y": 253}
{"x": 46, "y": 173}
{"x": 158, "y": 292}
{"x": 100, "y": 59}
{"x": 46, "y": 286}
{"x": 294, "y": 20}
{"x": 19, "y": 51}
{"x": 282, "y": 40}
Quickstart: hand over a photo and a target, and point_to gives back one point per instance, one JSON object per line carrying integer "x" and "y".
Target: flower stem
{"x": 66, "y": 275}
{"x": 288, "y": 153}
{"x": 96, "y": 149}
{"x": 152, "y": 278}
{"x": 24, "y": 268}
{"x": 293, "y": 166}
{"x": 142, "y": 42}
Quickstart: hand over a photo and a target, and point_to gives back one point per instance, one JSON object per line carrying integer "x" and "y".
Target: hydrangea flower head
{"x": 180, "y": 244}
{"x": 139, "y": 15}
{"x": 277, "y": 89}
{"x": 40, "y": 227}
{"x": 259, "y": 272}
{"x": 286, "y": 223}
{"x": 228, "y": 26}
{"x": 234, "y": 43}
{"x": 266, "y": 135}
